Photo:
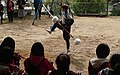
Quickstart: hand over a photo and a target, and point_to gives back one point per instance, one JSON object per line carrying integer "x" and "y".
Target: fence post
{"x": 107, "y": 6}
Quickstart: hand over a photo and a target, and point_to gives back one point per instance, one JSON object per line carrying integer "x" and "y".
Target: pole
{"x": 47, "y": 10}
{"x": 107, "y": 7}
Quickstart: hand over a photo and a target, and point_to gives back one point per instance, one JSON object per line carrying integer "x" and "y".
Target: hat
{"x": 65, "y": 6}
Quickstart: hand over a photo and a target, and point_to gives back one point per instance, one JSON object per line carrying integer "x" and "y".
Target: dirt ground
{"x": 91, "y": 30}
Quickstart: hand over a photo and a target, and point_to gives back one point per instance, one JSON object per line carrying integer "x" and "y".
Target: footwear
{"x": 49, "y": 31}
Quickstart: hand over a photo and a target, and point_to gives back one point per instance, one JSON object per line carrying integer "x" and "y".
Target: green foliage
{"x": 116, "y": 11}
{"x": 89, "y": 6}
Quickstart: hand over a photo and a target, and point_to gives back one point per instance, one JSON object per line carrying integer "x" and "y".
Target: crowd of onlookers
{"x": 38, "y": 64}
{"x": 103, "y": 66}
{"x": 21, "y": 4}
{"x": 10, "y": 9}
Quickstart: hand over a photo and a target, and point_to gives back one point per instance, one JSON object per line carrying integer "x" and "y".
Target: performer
{"x": 64, "y": 25}
{"x": 37, "y": 7}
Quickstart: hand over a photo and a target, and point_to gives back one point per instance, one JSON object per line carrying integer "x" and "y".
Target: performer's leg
{"x": 56, "y": 25}
{"x": 66, "y": 37}
{"x": 52, "y": 28}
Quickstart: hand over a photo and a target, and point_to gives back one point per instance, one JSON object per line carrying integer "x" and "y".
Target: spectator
{"x": 6, "y": 68}
{"x": 10, "y": 10}
{"x": 63, "y": 63}
{"x": 10, "y": 42}
{"x": 99, "y": 63}
{"x": 21, "y": 4}
{"x": 115, "y": 66}
{"x": 116, "y": 69}
{"x": 1, "y": 11}
{"x": 37, "y": 64}
{"x": 38, "y": 7}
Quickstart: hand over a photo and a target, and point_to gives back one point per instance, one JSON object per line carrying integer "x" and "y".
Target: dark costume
{"x": 64, "y": 25}
{"x": 66, "y": 35}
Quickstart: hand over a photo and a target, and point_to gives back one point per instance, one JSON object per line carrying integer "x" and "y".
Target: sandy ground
{"x": 91, "y": 30}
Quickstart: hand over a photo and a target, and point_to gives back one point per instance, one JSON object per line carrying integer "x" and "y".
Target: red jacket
{"x": 44, "y": 65}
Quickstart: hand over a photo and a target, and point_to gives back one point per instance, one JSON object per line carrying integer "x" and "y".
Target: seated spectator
{"x": 37, "y": 64}
{"x": 99, "y": 63}
{"x": 6, "y": 68}
{"x": 115, "y": 66}
{"x": 10, "y": 42}
{"x": 116, "y": 69}
{"x": 63, "y": 63}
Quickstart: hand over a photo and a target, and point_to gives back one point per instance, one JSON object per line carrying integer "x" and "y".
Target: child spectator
{"x": 99, "y": 63}
{"x": 10, "y": 10}
{"x": 6, "y": 68}
{"x": 115, "y": 66}
{"x": 67, "y": 21}
{"x": 10, "y": 42}
{"x": 1, "y": 11}
{"x": 6, "y": 55}
{"x": 63, "y": 63}
{"x": 116, "y": 69}
{"x": 37, "y": 64}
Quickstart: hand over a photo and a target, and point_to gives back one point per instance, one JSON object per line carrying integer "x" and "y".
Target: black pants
{"x": 66, "y": 35}
{"x": 10, "y": 16}
{"x": 1, "y": 15}
{"x": 38, "y": 9}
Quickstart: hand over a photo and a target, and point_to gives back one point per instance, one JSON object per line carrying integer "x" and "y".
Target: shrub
{"x": 89, "y": 6}
{"x": 116, "y": 10}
